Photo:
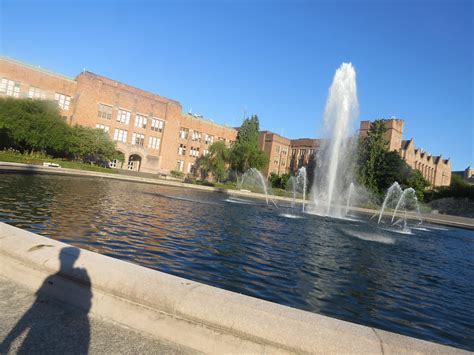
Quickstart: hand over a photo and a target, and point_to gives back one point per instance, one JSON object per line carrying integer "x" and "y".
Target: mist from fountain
{"x": 334, "y": 164}
{"x": 392, "y": 198}
{"x": 407, "y": 201}
{"x": 297, "y": 186}
{"x": 253, "y": 180}
{"x": 349, "y": 195}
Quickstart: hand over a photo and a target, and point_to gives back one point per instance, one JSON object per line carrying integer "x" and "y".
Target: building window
{"x": 113, "y": 163}
{"x": 183, "y": 133}
{"x": 221, "y": 139}
{"x": 123, "y": 116}
{"x": 120, "y": 135}
{"x": 275, "y": 162}
{"x": 311, "y": 151}
{"x": 190, "y": 167}
{"x": 209, "y": 139}
{"x": 194, "y": 152}
{"x": 154, "y": 143}
{"x": 157, "y": 125}
{"x": 138, "y": 139}
{"x": 277, "y": 149}
{"x": 179, "y": 165}
{"x": 62, "y": 100}
{"x": 102, "y": 127}
{"x": 205, "y": 152}
{"x": 182, "y": 149}
{"x": 196, "y": 136}
{"x": 105, "y": 111}
{"x": 140, "y": 121}
{"x": 10, "y": 87}
{"x": 36, "y": 93}
{"x": 302, "y": 152}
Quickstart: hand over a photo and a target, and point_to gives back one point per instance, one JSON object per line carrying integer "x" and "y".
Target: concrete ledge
{"x": 192, "y": 314}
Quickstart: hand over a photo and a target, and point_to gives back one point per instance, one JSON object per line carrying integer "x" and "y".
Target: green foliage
{"x": 378, "y": 168}
{"x": 36, "y": 126}
{"x": 279, "y": 182}
{"x": 176, "y": 174}
{"x": 372, "y": 150}
{"x": 38, "y": 158}
{"x": 214, "y": 163}
{"x": 458, "y": 188}
{"x": 418, "y": 182}
{"x": 245, "y": 153}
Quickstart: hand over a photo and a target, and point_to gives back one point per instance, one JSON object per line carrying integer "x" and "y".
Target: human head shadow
{"x": 57, "y": 321}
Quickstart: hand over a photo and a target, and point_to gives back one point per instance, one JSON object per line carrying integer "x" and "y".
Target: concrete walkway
{"x": 49, "y": 326}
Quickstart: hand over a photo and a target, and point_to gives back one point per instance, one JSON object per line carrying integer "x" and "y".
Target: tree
{"x": 245, "y": 153}
{"x": 418, "y": 182}
{"x": 36, "y": 126}
{"x": 214, "y": 163}
{"x": 372, "y": 150}
{"x": 378, "y": 168}
{"x": 90, "y": 145}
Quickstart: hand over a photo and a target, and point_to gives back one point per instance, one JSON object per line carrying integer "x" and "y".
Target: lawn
{"x": 39, "y": 159}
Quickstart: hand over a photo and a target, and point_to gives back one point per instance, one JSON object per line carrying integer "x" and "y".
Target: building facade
{"x": 277, "y": 149}
{"x": 151, "y": 131}
{"x": 435, "y": 169}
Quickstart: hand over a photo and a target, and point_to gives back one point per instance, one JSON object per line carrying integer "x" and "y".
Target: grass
{"x": 38, "y": 159}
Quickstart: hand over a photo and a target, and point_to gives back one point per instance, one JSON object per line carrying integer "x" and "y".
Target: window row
{"x": 193, "y": 152}
{"x": 180, "y": 166}
{"x": 12, "y": 88}
{"x": 197, "y": 136}
{"x": 120, "y": 135}
{"x": 123, "y": 116}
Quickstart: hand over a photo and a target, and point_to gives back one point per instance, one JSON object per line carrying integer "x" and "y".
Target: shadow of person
{"x": 51, "y": 326}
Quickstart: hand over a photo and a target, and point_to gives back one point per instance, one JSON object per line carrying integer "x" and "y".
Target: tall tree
{"x": 245, "y": 153}
{"x": 372, "y": 150}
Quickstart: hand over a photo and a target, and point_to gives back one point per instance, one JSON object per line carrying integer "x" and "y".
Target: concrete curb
{"x": 188, "y": 313}
{"x": 445, "y": 220}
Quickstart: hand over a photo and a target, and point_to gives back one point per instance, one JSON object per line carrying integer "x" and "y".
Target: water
{"x": 253, "y": 180}
{"x": 297, "y": 186}
{"x": 393, "y": 195}
{"x": 418, "y": 285}
{"x": 334, "y": 164}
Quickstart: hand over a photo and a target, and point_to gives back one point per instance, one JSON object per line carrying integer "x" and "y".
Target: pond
{"x": 419, "y": 285}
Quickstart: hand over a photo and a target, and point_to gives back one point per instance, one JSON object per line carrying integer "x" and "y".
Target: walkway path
{"x": 53, "y": 317}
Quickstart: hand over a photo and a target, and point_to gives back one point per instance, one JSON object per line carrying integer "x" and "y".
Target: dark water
{"x": 421, "y": 285}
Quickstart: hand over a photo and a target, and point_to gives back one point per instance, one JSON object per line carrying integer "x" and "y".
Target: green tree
{"x": 418, "y": 182}
{"x": 214, "y": 163}
{"x": 372, "y": 151}
{"x": 245, "y": 153}
{"x": 90, "y": 145}
{"x": 32, "y": 125}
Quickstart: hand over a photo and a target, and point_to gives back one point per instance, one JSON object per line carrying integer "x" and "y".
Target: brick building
{"x": 151, "y": 131}
{"x": 277, "y": 149}
{"x": 435, "y": 169}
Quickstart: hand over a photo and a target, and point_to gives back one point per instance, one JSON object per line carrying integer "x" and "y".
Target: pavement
{"x": 32, "y": 323}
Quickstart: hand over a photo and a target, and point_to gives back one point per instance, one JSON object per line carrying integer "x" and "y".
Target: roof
{"x": 128, "y": 87}
{"x": 38, "y": 68}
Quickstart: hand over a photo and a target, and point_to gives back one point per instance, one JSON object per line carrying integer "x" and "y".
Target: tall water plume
{"x": 334, "y": 163}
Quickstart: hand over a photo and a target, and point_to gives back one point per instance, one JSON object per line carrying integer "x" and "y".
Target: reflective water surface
{"x": 421, "y": 285}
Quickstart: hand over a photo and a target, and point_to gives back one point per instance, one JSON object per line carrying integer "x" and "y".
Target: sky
{"x": 230, "y": 59}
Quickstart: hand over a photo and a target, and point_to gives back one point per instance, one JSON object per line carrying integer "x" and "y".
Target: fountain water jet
{"x": 332, "y": 173}
{"x": 253, "y": 179}
{"x": 394, "y": 194}
{"x": 349, "y": 195}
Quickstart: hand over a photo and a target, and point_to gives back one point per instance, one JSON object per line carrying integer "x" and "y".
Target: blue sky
{"x": 414, "y": 59}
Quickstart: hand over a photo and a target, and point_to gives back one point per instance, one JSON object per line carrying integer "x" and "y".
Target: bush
{"x": 32, "y": 126}
{"x": 176, "y": 174}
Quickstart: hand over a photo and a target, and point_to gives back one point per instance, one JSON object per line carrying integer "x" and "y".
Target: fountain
{"x": 253, "y": 180}
{"x": 392, "y": 197}
{"x": 349, "y": 195}
{"x": 333, "y": 169}
{"x": 297, "y": 187}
